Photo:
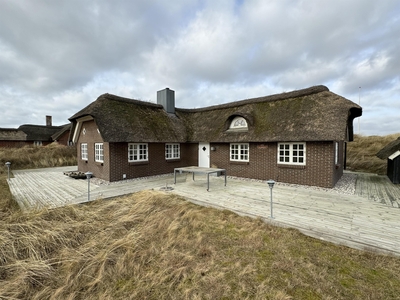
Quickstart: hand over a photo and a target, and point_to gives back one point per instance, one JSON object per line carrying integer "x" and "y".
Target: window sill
{"x": 291, "y": 166}
{"x": 173, "y": 160}
{"x": 237, "y": 130}
{"x": 239, "y": 162}
{"x": 138, "y": 163}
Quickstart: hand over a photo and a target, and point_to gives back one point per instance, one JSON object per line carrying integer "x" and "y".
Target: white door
{"x": 204, "y": 155}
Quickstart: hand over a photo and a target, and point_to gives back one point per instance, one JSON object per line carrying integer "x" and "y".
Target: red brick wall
{"x": 116, "y": 157}
{"x": 63, "y": 139}
{"x": 20, "y": 144}
{"x": 92, "y": 136}
{"x": 15, "y": 144}
{"x": 156, "y": 164}
{"x": 319, "y": 169}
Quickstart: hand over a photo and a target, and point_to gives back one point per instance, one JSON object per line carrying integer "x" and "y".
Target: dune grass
{"x": 361, "y": 153}
{"x": 53, "y": 155}
{"x": 155, "y": 245}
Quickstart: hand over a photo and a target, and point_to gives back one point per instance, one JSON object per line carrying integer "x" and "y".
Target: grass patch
{"x": 154, "y": 245}
{"x": 361, "y": 153}
{"x": 53, "y": 155}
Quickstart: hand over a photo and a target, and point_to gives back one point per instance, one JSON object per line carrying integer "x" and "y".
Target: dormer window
{"x": 238, "y": 123}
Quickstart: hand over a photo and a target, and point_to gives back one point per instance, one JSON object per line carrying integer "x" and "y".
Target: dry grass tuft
{"x": 154, "y": 245}
{"x": 361, "y": 153}
{"x": 53, "y": 155}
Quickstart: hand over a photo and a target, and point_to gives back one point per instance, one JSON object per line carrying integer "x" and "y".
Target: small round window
{"x": 238, "y": 122}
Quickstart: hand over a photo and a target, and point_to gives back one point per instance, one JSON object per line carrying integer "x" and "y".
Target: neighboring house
{"x": 13, "y": 138}
{"x": 62, "y": 136}
{"x": 297, "y": 137}
{"x": 34, "y": 135}
{"x": 391, "y": 152}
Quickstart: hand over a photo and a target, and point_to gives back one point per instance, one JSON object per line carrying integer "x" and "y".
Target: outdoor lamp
{"x": 88, "y": 175}
{"x": 271, "y": 183}
{"x": 271, "y": 186}
{"x": 8, "y": 164}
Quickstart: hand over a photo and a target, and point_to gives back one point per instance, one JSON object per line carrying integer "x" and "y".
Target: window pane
{"x": 137, "y": 152}
{"x": 239, "y": 152}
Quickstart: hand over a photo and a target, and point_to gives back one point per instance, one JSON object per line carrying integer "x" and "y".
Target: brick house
{"x": 296, "y": 137}
{"x": 34, "y": 135}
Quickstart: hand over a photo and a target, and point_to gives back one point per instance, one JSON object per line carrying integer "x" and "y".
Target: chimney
{"x": 166, "y": 98}
{"x": 48, "y": 121}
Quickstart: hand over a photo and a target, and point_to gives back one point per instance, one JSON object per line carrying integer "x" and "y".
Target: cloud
{"x": 57, "y": 57}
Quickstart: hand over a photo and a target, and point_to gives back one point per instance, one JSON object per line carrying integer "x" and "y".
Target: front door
{"x": 204, "y": 155}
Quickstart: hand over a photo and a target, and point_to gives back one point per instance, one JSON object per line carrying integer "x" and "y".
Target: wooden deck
{"x": 356, "y": 221}
{"x": 378, "y": 188}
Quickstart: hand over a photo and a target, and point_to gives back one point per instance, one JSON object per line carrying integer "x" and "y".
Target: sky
{"x": 56, "y": 57}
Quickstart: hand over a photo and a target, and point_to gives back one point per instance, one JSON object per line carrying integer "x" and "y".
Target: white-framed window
{"x": 238, "y": 123}
{"x": 98, "y": 152}
{"x": 37, "y": 143}
{"x": 239, "y": 152}
{"x": 292, "y": 153}
{"x": 84, "y": 151}
{"x": 172, "y": 151}
{"x": 138, "y": 152}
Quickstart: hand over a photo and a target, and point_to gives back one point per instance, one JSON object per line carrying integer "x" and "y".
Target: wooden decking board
{"x": 378, "y": 188}
{"x": 357, "y": 220}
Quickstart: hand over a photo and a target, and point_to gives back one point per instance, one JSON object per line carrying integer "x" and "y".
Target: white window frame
{"x": 138, "y": 152}
{"x": 172, "y": 151}
{"x": 98, "y": 152}
{"x": 38, "y": 143}
{"x": 239, "y": 152}
{"x": 336, "y": 153}
{"x": 84, "y": 151}
{"x": 291, "y": 153}
{"x": 238, "y": 123}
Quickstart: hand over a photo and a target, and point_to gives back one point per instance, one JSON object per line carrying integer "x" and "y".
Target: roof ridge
{"x": 274, "y": 97}
{"x": 128, "y": 100}
{"x": 43, "y": 126}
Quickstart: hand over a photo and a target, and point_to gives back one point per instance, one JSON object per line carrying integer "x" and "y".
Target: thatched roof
{"x": 39, "y": 132}
{"x": 127, "y": 120}
{"x": 389, "y": 149}
{"x": 11, "y": 134}
{"x": 313, "y": 114}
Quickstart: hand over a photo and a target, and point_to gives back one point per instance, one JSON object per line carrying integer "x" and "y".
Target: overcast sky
{"x": 58, "y": 56}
